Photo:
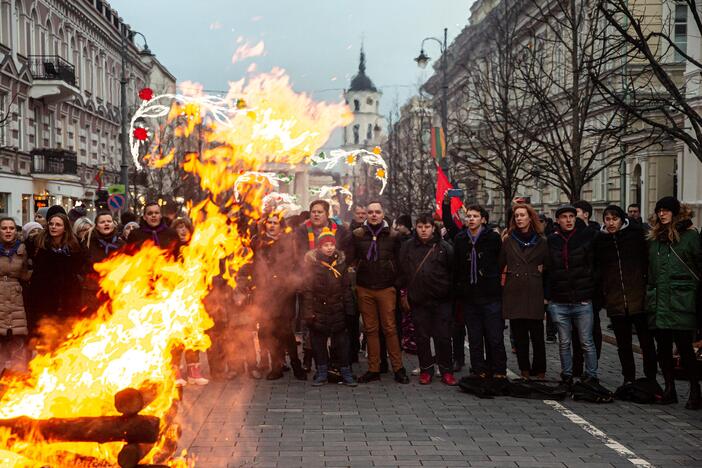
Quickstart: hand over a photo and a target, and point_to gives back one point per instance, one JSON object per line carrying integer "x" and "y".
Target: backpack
{"x": 537, "y": 390}
{"x": 643, "y": 391}
{"x": 591, "y": 392}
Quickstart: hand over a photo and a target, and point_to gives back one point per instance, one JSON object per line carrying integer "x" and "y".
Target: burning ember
{"x": 155, "y": 301}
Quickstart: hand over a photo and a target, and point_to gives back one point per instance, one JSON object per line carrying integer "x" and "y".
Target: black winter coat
{"x": 621, "y": 263}
{"x": 326, "y": 299}
{"x": 165, "y": 237}
{"x": 275, "y": 274}
{"x": 371, "y": 273}
{"x": 55, "y": 288}
{"x": 97, "y": 248}
{"x": 488, "y": 288}
{"x": 575, "y": 282}
{"x": 432, "y": 282}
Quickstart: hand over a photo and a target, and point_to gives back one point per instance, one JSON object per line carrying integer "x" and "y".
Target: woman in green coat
{"x": 675, "y": 263}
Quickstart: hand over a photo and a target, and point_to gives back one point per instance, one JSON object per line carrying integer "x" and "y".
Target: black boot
{"x": 693, "y": 403}
{"x": 307, "y": 359}
{"x": 298, "y": 371}
{"x": 670, "y": 396}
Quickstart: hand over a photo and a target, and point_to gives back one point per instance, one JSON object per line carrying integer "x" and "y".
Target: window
{"x": 356, "y": 138}
{"x": 369, "y": 132}
{"x": 369, "y": 101}
{"x": 680, "y": 30}
{"x": 20, "y": 124}
{"x": 4, "y": 204}
{"x": 3, "y": 113}
{"x": 356, "y": 105}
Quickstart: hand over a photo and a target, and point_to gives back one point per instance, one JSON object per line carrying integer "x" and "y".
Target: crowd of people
{"x": 383, "y": 286}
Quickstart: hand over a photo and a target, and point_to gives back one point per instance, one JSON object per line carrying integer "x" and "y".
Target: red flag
{"x": 442, "y": 185}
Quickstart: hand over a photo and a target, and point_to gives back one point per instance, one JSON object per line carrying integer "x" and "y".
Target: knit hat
{"x": 326, "y": 236}
{"x": 614, "y": 209}
{"x": 43, "y": 211}
{"x": 29, "y": 227}
{"x": 56, "y": 209}
{"x": 566, "y": 209}
{"x": 668, "y": 203}
{"x": 77, "y": 212}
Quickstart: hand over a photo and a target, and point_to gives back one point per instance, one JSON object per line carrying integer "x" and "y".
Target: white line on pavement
{"x": 598, "y": 434}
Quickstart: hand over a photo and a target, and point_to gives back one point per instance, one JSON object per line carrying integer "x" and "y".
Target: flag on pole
{"x": 98, "y": 177}
{"x": 442, "y": 185}
{"x": 438, "y": 143}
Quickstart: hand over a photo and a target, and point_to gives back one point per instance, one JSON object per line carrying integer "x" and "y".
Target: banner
{"x": 438, "y": 144}
{"x": 442, "y": 185}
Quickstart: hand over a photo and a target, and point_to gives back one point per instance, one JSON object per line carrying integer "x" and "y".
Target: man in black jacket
{"x": 477, "y": 280}
{"x": 570, "y": 289}
{"x": 426, "y": 262}
{"x": 153, "y": 227}
{"x": 621, "y": 258}
{"x": 375, "y": 249}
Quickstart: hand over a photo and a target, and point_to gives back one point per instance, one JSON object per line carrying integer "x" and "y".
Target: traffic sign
{"x": 116, "y": 201}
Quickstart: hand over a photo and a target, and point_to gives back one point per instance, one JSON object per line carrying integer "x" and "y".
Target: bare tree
{"x": 5, "y": 115}
{"x": 650, "y": 83}
{"x": 578, "y": 133}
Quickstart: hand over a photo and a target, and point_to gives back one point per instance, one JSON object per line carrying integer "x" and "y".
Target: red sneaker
{"x": 449, "y": 379}
{"x": 425, "y": 378}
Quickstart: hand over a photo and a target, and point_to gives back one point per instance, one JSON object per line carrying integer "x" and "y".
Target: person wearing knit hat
{"x": 621, "y": 261}
{"x": 326, "y": 302}
{"x": 674, "y": 271}
{"x": 30, "y": 229}
{"x": 56, "y": 209}
{"x": 40, "y": 215}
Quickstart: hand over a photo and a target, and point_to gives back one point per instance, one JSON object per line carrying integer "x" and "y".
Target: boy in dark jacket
{"x": 426, "y": 262}
{"x": 477, "y": 280}
{"x": 326, "y": 301}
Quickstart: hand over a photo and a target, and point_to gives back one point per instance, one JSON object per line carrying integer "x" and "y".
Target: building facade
{"x": 60, "y": 71}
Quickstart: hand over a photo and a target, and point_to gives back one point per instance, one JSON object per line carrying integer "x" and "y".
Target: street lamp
{"x": 422, "y": 60}
{"x": 124, "y": 167}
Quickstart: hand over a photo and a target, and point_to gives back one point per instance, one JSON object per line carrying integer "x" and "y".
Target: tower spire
{"x": 362, "y": 63}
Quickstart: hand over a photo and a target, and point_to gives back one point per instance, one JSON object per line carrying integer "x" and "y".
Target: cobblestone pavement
{"x": 288, "y": 423}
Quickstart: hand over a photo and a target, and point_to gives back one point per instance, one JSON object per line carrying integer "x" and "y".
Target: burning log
{"x": 130, "y": 400}
{"x": 102, "y": 429}
{"x": 131, "y": 454}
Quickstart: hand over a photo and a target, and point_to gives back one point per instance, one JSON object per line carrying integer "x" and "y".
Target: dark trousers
{"x": 683, "y": 341}
{"x": 433, "y": 321}
{"x": 525, "y": 330}
{"x": 353, "y": 330}
{"x": 459, "y": 335}
{"x": 578, "y": 349}
{"x": 486, "y": 337}
{"x": 551, "y": 327}
{"x": 339, "y": 347}
{"x": 622, "y": 331}
{"x": 279, "y": 338}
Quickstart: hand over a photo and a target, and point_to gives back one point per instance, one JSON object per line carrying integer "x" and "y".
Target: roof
{"x": 361, "y": 82}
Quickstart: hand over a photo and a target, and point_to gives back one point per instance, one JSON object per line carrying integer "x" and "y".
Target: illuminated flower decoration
{"x": 380, "y": 173}
{"x": 371, "y": 158}
{"x": 377, "y": 150}
{"x": 140, "y": 133}
{"x": 146, "y": 94}
{"x": 254, "y": 177}
{"x": 328, "y": 193}
{"x": 351, "y": 159}
{"x": 240, "y": 104}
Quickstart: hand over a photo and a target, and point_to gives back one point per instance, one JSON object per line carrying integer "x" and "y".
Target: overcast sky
{"x": 316, "y": 41}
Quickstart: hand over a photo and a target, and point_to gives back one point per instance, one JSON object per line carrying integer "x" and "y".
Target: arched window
{"x": 356, "y": 137}
{"x": 369, "y": 132}
{"x": 64, "y": 45}
{"x": 18, "y": 28}
{"x": 49, "y": 39}
{"x": 356, "y": 105}
{"x": 100, "y": 78}
{"x": 33, "y": 33}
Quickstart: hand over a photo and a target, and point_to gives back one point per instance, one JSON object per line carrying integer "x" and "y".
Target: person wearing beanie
{"x": 621, "y": 263}
{"x": 426, "y": 265}
{"x": 30, "y": 230}
{"x": 326, "y": 301}
{"x": 40, "y": 216}
{"x": 570, "y": 289}
{"x": 374, "y": 250}
{"x": 54, "y": 210}
{"x": 674, "y": 269}
{"x": 76, "y": 213}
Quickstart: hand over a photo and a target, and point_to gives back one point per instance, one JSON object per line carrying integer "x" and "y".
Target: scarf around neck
{"x": 565, "y": 253}
{"x": 474, "y": 254}
{"x": 525, "y": 240}
{"x": 331, "y": 266}
{"x": 9, "y": 253}
{"x": 108, "y": 243}
{"x": 373, "y": 253}
{"x": 311, "y": 237}
{"x": 154, "y": 231}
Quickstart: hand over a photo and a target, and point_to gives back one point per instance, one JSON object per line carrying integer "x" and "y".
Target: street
{"x": 289, "y": 424}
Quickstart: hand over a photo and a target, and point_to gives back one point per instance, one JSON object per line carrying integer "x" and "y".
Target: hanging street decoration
{"x": 351, "y": 158}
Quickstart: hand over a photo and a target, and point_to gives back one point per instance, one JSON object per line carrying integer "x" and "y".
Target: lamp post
{"x": 422, "y": 60}
{"x": 124, "y": 167}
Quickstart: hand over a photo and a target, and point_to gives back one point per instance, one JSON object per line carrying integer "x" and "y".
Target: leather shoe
{"x": 401, "y": 376}
{"x": 369, "y": 377}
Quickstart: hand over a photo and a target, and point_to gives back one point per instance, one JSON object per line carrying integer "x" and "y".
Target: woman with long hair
{"x": 674, "y": 268}
{"x": 81, "y": 228}
{"x": 99, "y": 243}
{"x": 54, "y": 290}
{"x": 523, "y": 256}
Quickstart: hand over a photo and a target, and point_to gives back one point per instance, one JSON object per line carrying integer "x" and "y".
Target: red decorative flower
{"x": 146, "y": 94}
{"x": 140, "y": 133}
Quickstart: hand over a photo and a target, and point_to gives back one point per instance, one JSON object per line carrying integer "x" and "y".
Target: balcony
{"x": 55, "y": 164}
{"x": 54, "y": 79}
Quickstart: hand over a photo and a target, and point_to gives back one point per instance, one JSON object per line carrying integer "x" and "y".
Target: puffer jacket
{"x": 326, "y": 297}
{"x": 432, "y": 282}
{"x": 571, "y": 275}
{"x": 13, "y": 269}
{"x": 671, "y": 293}
{"x": 380, "y": 272}
{"x": 621, "y": 263}
{"x": 487, "y": 289}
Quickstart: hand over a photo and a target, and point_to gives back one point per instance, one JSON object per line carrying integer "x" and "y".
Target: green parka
{"x": 671, "y": 293}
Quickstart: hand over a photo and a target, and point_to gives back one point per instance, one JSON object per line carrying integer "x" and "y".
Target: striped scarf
{"x": 312, "y": 238}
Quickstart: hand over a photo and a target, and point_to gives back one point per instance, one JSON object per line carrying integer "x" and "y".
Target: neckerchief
{"x": 62, "y": 250}
{"x": 372, "y": 253}
{"x": 474, "y": 255}
{"x": 311, "y": 238}
{"x": 154, "y": 232}
{"x": 9, "y": 253}
{"x": 520, "y": 240}
{"x": 565, "y": 252}
{"x": 331, "y": 267}
{"x": 108, "y": 245}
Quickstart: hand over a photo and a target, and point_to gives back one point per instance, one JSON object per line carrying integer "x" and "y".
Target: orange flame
{"x": 155, "y": 301}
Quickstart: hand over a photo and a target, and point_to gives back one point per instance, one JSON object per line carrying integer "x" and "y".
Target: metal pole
{"x": 124, "y": 173}
{"x": 444, "y": 101}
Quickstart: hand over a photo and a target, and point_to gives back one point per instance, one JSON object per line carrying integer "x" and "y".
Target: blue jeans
{"x": 580, "y": 316}
{"x": 486, "y": 341}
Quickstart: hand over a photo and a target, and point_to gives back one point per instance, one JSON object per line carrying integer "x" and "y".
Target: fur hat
{"x": 326, "y": 236}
